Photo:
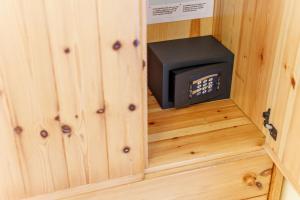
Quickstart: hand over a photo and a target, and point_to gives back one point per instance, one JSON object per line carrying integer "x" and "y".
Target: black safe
{"x": 188, "y": 71}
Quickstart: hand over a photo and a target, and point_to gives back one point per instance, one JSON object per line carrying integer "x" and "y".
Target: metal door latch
{"x": 268, "y": 125}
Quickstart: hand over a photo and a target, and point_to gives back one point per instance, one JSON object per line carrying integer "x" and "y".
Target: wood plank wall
{"x": 250, "y": 29}
{"x": 70, "y": 94}
{"x": 179, "y": 29}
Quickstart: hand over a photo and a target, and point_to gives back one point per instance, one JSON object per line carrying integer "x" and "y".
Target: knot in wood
{"x": 136, "y": 43}
{"x": 100, "y": 110}
{"x": 18, "y": 129}
{"x": 117, "y": 45}
{"x": 250, "y": 179}
{"x": 44, "y": 133}
{"x": 126, "y": 149}
{"x": 132, "y": 107}
{"x": 67, "y": 50}
{"x": 57, "y": 118}
{"x": 259, "y": 185}
{"x": 66, "y": 129}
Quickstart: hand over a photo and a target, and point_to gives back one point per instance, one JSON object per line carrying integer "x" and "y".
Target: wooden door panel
{"x": 284, "y": 97}
{"x": 72, "y": 93}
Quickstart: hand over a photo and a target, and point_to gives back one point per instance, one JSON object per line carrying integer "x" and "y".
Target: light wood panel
{"x": 225, "y": 181}
{"x": 276, "y": 184}
{"x": 143, "y": 14}
{"x": 250, "y": 29}
{"x": 122, "y": 84}
{"x": 28, "y": 83}
{"x": 199, "y": 133}
{"x": 229, "y": 180}
{"x": 71, "y": 96}
{"x": 179, "y": 29}
{"x": 284, "y": 97}
{"x": 78, "y": 78}
{"x": 264, "y": 197}
{"x": 12, "y": 185}
{"x": 165, "y": 170}
{"x": 88, "y": 188}
{"x": 201, "y": 118}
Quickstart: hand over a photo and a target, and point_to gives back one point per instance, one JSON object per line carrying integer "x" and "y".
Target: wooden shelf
{"x": 199, "y": 133}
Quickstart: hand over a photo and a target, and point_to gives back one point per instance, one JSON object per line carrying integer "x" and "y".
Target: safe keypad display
{"x": 204, "y": 85}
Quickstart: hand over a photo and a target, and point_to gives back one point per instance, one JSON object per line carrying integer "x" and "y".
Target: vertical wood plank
{"x": 122, "y": 56}
{"x": 227, "y": 23}
{"x": 30, "y": 97}
{"x": 44, "y": 93}
{"x": 276, "y": 185}
{"x": 143, "y": 25}
{"x": 284, "y": 89}
{"x": 250, "y": 29}
{"x": 284, "y": 96}
{"x": 73, "y": 30}
{"x": 11, "y": 182}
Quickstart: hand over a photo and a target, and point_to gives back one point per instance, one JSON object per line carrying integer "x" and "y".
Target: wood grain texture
{"x": 250, "y": 29}
{"x": 276, "y": 184}
{"x": 179, "y": 29}
{"x": 30, "y": 91}
{"x": 284, "y": 98}
{"x": 199, "y": 133}
{"x": 88, "y": 188}
{"x": 122, "y": 84}
{"x": 166, "y": 170}
{"x": 12, "y": 184}
{"x": 201, "y": 118}
{"x": 224, "y": 181}
{"x": 143, "y": 22}
{"x": 78, "y": 77}
{"x": 65, "y": 94}
{"x": 264, "y": 197}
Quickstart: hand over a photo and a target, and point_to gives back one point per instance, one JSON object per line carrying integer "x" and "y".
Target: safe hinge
{"x": 268, "y": 125}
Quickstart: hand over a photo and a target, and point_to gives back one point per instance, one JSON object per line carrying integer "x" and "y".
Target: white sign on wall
{"x": 160, "y": 11}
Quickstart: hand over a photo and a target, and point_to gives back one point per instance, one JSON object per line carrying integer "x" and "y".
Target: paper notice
{"x": 159, "y": 11}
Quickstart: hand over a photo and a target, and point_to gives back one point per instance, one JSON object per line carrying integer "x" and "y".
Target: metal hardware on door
{"x": 272, "y": 130}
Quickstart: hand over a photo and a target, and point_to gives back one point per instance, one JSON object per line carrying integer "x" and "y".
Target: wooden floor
{"x": 199, "y": 133}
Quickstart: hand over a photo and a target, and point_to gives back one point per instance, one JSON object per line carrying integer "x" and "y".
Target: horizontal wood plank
{"x": 179, "y": 29}
{"x": 225, "y": 181}
{"x": 198, "y": 133}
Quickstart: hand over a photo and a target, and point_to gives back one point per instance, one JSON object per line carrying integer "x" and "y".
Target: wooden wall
{"x": 250, "y": 29}
{"x": 179, "y": 29}
{"x": 71, "y": 100}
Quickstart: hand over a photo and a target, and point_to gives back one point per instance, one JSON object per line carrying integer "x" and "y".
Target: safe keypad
{"x": 204, "y": 85}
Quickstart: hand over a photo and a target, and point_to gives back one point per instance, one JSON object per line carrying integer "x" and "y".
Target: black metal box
{"x": 188, "y": 71}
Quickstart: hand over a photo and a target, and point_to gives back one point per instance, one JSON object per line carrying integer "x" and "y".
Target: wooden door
{"x": 72, "y": 93}
{"x": 284, "y": 98}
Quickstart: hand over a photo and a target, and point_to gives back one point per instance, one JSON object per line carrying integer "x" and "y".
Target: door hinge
{"x": 268, "y": 125}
